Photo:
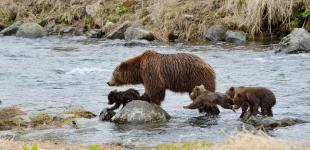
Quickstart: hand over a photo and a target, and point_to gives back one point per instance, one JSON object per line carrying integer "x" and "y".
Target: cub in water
{"x": 253, "y": 97}
{"x": 202, "y": 97}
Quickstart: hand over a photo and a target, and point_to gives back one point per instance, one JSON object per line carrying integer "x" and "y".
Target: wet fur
{"x": 119, "y": 98}
{"x": 253, "y": 97}
{"x": 157, "y": 72}
{"x": 202, "y": 97}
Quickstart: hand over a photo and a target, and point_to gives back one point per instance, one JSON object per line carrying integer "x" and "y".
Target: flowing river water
{"x": 52, "y": 74}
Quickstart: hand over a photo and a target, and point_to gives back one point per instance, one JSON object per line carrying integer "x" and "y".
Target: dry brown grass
{"x": 189, "y": 19}
{"x": 241, "y": 141}
{"x": 255, "y": 15}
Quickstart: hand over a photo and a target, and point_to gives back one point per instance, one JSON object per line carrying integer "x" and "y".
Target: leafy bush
{"x": 34, "y": 147}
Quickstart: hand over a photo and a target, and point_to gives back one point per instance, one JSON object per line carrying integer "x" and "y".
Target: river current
{"x": 52, "y": 74}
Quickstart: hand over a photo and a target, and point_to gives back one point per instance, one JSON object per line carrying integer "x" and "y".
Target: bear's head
{"x": 239, "y": 99}
{"x": 197, "y": 90}
{"x": 225, "y": 102}
{"x": 112, "y": 97}
{"x": 128, "y": 72}
{"x": 230, "y": 93}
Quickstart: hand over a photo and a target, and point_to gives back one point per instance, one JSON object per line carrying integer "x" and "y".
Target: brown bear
{"x": 179, "y": 72}
{"x": 252, "y": 97}
{"x": 203, "y": 97}
{"x": 122, "y": 98}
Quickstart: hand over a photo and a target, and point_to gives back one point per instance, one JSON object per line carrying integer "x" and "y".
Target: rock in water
{"x": 235, "y": 36}
{"x": 298, "y": 41}
{"x": 216, "y": 33}
{"x": 119, "y": 32}
{"x": 106, "y": 115}
{"x": 31, "y": 30}
{"x": 268, "y": 123}
{"x": 11, "y": 30}
{"x": 136, "y": 33}
{"x": 141, "y": 112}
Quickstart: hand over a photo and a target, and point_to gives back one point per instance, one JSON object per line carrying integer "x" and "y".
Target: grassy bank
{"x": 242, "y": 141}
{"x": 185, "y": 18}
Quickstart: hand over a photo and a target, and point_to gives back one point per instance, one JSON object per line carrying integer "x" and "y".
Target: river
{"x": 52, "y": 74}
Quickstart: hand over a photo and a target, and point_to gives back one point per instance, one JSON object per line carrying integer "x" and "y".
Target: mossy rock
{"x": 80, "y": 112}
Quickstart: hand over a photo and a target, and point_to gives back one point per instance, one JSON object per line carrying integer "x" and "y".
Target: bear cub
{"x": 202, "y": 97}
{"x": 122, "y": 97}
{"x": 253, "y": 97}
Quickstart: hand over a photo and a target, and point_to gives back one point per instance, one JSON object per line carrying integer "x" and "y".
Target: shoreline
{"x": 242, "y": 140}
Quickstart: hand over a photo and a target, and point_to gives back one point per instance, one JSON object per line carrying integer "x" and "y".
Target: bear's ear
{"x": 123, "y": 65}
{"x": 231, "y": 89}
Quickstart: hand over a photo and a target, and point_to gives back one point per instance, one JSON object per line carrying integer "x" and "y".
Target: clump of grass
{"x": 257, "y": 15}
{"x": 203, "y": 145}
{"x": 40, "y": 119}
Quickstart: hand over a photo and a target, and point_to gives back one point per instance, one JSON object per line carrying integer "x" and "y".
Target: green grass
{"x": 186, "y": 146}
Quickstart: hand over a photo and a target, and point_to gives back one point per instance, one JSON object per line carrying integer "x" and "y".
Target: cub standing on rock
{"x": 202, "y": 97}
{"x": 122, "y": 97}
{"x": 179, "y": 72}
{"x": 252, "y": 97}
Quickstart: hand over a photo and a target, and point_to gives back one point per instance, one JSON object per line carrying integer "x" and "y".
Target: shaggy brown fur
{"x": 198, "y": 90}
{"x": 252, "y": 97}
{"x": 203, "y": 97}
{"x": 157, "y": 72}
{"x": 122, "y": 98}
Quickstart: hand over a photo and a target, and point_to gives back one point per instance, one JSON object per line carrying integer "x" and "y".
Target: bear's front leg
{"x": 145, "y": 97}
{"x": 244, "y": 108}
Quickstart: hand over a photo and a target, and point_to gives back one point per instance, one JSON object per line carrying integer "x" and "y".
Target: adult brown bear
{"x": 179, "y": 72}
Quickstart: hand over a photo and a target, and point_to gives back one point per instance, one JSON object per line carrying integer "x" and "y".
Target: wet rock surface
{"x": 216, "y": 33}
{"x": 106, "y": 115}
{"x": 12, "y": 29}
{"x": 31, "y": 30}
{"x": 235, "y": 37}
{"x": 137, "y": 33}
{"x": 119, "y": 32}
{"x": 298, "y": 41}
{"x": 141, "y": 112}
{"x": 269, "y": 123}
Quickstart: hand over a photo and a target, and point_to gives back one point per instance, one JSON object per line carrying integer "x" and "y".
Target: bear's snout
{"x": 110, "y": 84}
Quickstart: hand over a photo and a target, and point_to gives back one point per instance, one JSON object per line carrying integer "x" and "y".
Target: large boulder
{"x": 31, "y": 30}
{"x": 216, "y": 33}
{"x": 235, "y": 36}
{"x": 136, "y": 33}
{"x": 12, "y": 29}
{"x": 141, "y": 112}
{"x": 298, "y": 41}
{"x": 119, "y": 32}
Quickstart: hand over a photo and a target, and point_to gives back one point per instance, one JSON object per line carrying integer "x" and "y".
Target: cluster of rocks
{"x": 126, "y": 30}
{"x": 14, "y": 118}
{"x": 268, "y": 123}
{"x": 221, "y": 33}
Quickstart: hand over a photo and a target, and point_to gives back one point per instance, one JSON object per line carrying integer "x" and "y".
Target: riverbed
{"x": 52, "y": 74}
